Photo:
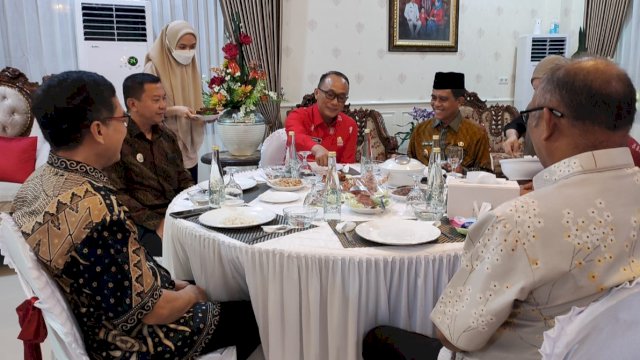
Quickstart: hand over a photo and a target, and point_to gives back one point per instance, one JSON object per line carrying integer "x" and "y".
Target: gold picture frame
{"x": 423, "y": 25}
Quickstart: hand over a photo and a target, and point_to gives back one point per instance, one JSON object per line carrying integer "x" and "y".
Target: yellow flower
{"x": 246, "y": 89}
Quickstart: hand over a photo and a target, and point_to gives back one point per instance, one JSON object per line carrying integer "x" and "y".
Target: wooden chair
{"x": 383, "y": 145}
{"x": 493, "y": 119}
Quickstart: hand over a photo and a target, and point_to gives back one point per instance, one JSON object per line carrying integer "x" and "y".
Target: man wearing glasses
{"x": 323, "y": 127}
{"x": 565, "y": 244}
{"x": 150, "y": 172}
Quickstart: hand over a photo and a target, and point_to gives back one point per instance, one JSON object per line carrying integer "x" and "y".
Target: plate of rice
{"x": 237, "y": 217}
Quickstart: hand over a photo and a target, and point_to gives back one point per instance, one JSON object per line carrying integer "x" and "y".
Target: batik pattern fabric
{"x": 473, "y": 136}
{"x": 531, "y": 259}
{"x": 70, "y": 217}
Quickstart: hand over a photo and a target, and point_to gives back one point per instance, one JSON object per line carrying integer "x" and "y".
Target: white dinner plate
{"x": 398, "y": 232}
{"x": 284, "y": 188}
{"x": 245, "y": 183}
{"x": 367, "y": 211}
{"x": 278, "y": 197}
{"x": 236, "y": 217}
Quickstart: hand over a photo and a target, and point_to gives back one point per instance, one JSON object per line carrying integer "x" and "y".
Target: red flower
{"x": 230, "y": 51}
{"x": 245, "y": 39}
{"x": 216, "y": 81}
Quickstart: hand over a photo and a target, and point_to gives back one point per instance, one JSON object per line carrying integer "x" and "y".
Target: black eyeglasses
{"x": 525, "y": 113}
{"x": 330, "y": 95}
{"x": 123, "y": 119}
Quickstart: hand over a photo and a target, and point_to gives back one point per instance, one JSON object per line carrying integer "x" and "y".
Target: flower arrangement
{"x": 237, "y": 84}
{"x": 419, "y": 115}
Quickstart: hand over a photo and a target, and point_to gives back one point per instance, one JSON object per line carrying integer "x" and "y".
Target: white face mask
{"x": 184, "y": 57}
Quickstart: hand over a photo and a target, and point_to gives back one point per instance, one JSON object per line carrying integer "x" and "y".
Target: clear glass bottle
{"x": 435, "y": 143}
{"x": 216, "y": 183}
{"x": 291, "y": 158}
{"x": 332, "y": 192}
{"x": 365, "y": 152}
{"x": 436, "y": 197}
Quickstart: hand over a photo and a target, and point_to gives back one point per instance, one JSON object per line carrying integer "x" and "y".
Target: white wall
{"x": 351, "y": 36}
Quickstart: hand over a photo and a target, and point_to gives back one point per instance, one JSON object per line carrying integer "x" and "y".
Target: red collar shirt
{"x": 310, "y": 130}
{"x": 635, "y": 150}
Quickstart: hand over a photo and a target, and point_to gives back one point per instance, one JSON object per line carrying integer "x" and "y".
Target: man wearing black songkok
{"x": 446, "y": 98}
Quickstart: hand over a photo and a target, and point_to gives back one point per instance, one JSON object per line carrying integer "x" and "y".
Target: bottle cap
{"x": 366, "y": 131}
{"x": 215, "y": 147}
{"x": 291, "y": 132}
{"x": 332, "y": 153}
{"x": 436, "y": 150}
{"x": 461, "y": 144}
{"x": 436, "y": 137}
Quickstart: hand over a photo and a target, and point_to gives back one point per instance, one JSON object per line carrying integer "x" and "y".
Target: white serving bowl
{"x": 401, "y": 170}
{"x": 521, "y": 169}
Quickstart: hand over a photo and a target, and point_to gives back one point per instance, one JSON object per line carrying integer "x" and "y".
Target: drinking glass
{"x": 306, "y": 172}
{"x": 454, "y": 156}
{"x": 415, "y": 195}
{"x": 232, "y": 190}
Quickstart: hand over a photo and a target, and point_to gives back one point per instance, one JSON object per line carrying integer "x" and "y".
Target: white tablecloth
{"x": 313, "y": 299}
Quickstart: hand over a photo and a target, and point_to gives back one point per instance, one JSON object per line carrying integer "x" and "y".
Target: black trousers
{"x": 236, "y": 327}
{"x": 391, "y": 343}
{"x": 194, "y": 173}
{"x": 150, "y": 240}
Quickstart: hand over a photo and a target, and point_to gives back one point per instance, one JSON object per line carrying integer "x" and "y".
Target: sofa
{"x": 16, "y": 121}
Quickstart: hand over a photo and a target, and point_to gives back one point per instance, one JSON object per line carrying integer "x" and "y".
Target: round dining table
{"x": 312, "y": 297}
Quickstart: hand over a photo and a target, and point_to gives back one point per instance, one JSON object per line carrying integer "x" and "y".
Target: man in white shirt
{"x": 562, "y": 245}
{"x": 412, "y": 14}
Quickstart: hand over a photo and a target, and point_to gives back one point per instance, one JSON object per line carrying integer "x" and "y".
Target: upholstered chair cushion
{"x": 15, "y": 115}
{"x": 18, "y": 158}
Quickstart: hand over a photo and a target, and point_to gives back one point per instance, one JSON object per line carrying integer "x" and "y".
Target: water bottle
{"x": 365, "y": 152}
{"x": 216, "y": 184}
{"x": 436, "y": 197}
{"x": 333, "y": 192}
{"x": 291, "y": 158}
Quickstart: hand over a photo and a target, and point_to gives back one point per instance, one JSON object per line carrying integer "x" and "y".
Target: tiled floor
{"x": 11, "y": 295}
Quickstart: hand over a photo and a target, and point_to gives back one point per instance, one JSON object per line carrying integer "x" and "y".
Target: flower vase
{"x": 241, "y": 134}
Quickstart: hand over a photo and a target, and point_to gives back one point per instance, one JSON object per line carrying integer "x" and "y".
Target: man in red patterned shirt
{"x": 323, "y": 127}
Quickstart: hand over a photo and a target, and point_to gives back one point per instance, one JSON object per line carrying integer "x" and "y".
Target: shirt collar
{"x": 455, "y": 124}
{"x": 134, "y": 130}
{"x": 77, "y": 167}
{"x": 591, "y": 161}
{"x": 317, "y": 118}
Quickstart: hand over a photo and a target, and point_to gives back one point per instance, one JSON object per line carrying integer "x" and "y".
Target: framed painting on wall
{"x": 423, "y": 25}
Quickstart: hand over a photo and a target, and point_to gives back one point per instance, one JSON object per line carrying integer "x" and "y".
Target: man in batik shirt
{"x": 562, "y": 245}
{"x": 126, "y": 304}
{"x": 446, "y": 98}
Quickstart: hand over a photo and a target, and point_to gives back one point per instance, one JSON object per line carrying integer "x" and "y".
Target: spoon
{"x": 276, "y": 228}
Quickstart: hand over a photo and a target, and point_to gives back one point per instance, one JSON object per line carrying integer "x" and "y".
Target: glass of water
{"x": 232, "y": 190}
{"x": 300, "y": 216}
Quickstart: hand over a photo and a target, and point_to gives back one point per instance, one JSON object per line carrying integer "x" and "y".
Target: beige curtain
{"x": 261, "y": 19}
{"x": 603, "y": 21}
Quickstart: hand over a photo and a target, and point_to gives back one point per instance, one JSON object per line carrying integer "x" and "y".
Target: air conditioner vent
{"x": 542, "y": 47}
{"x": 102, "y": 22}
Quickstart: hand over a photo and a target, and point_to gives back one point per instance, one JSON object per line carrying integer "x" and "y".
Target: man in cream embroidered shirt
{"x": 564, "y": 244}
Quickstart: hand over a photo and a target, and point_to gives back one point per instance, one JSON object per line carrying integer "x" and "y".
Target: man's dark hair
{"x": 592, "y": 91}
{"x": 324, "y": 76}
{"x": 133, "y": 85}
{"x": 67, "y": 103}
{"x": 457, "y": 93}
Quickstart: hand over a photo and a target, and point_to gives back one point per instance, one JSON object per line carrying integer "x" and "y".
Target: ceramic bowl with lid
{"x": 401, "y": 169}
{"x": 521, "y": 168}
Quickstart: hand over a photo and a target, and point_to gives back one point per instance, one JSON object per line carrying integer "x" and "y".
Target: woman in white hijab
{"x": 172, "y": 59}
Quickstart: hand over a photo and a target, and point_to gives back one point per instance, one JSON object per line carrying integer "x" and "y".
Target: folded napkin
{"x": 482, "y": 177}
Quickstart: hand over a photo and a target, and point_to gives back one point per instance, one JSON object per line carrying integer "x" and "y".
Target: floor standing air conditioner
{"x": 113, "y": 37}
{"x": 532, "y": 49}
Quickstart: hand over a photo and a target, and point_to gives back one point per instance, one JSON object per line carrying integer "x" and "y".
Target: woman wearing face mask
{"x": 172, "y": 59}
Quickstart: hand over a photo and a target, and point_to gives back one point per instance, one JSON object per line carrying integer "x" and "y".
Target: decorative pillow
{"x": 18, "y": 158}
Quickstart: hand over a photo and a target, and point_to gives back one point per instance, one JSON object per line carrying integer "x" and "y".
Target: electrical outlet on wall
{"x": 503, "y": 80}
